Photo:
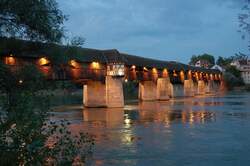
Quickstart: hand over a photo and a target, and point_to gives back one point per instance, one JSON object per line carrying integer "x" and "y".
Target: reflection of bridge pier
{"x": 166, "y": 112}
{"x": 107, "y": 115}
{"x": 210, "y": 87}
{"x": 154, "y": 110}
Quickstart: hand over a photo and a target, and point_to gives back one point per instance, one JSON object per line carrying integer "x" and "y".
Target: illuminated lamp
{"x": 197, "y": 75}
{"x": 211, "y": 77}
{"x": 10, "y": 60}
{"x": 133, "y": 67}
{"x": 182, "y": 75}
{"x": 165, "y": 72}
{"x": 207, "y": 76}
{"x": 201, "y": 74}
{"x": 189, "y": 74}
{"x": 43, "y": 61}
{"x": 73, "y": 63}
{"x": 174, "y": 74}
{"x": 154, "y": 70}
{"x": 220, "y": 76}
{"x": 216, "y": 77}
{"x": 95, "y": 65}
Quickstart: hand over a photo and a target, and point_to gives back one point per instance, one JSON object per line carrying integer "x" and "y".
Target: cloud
{"x": 162, "y": 29}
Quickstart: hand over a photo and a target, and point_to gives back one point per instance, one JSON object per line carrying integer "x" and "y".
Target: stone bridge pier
{"x": 147, "y": 91}
{"x": 201, "y": 87}
{"x": 162, "y": 89}
{"x": 108, "y": 94}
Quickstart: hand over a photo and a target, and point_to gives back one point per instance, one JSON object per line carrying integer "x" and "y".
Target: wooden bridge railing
{"x": 85, "y": 73}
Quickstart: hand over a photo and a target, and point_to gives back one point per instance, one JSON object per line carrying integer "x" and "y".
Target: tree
{"x": 244, "y": 22}
{"x": 240, "y": 56}
{"x": 208, "y": 57}
{"x": 193, "y": 60}
{"x": 26, "y": 132}
{"x": 224, "y": 62}
{"x": 234, "y": 71}
{"x": 231, "y": 80}
{"x": 39, "y": 20}
{"x": 220, "y": 61}
{"x": 77, "y": 41}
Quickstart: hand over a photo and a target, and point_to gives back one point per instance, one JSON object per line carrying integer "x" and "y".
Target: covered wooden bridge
{"x": 105, "y": 71}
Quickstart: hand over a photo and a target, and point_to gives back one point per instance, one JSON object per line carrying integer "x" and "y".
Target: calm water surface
{"x": 202, "y": 131}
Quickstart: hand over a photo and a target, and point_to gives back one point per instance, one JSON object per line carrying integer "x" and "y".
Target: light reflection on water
{"x": 192, "y": 131}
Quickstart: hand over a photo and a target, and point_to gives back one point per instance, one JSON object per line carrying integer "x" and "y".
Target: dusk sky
{"x": 161, "y": 29}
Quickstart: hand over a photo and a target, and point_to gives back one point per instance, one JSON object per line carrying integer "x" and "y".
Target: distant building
{"x": 202, "y": 63}
{"x": 244, "y": 67}
{"x": 217, "y": 67}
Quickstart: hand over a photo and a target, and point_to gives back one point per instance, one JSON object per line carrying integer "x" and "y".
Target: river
{"x": 202, "y": 131}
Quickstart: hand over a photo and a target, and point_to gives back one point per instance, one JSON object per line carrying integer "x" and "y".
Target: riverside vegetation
{"x": 27, "y": 136}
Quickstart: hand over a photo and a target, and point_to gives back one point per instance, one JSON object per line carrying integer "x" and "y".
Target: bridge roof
{"x": 21, "y": 48}
{"x": 171, "y": 65}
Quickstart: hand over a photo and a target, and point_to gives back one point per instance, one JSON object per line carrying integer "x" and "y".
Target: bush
{"x": 232, "y": 81}
{"x": 234, "y": 71}
{"x": 24, "y": 127}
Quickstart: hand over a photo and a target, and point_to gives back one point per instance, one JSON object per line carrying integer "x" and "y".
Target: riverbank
{"x": 74, "y": 96}
{"x": 242, "y": 88}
